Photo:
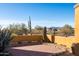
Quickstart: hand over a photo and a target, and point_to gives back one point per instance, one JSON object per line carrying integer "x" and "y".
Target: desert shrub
{"x": 18, "y": 28}
{"x": 37, "y": 27}
{"x": 66, "y": 30}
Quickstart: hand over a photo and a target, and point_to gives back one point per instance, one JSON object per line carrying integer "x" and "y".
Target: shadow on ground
{"x": 20, "y": 52}
{"x": 17, "y": 52}
{"x": 25, "y": 44}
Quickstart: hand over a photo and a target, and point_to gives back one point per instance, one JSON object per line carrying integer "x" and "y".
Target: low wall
{"x": 68, "y": 41}
{"x": 51, "y": 38}
{"x": 20, "y": 38}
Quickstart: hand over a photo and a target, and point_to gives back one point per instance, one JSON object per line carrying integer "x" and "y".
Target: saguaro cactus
{"x": 44, "y": 34}
{"x": 29, "y": 25}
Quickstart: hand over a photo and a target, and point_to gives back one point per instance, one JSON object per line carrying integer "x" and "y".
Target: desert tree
{"x": 24, "y": 28}
{"x": 66, "y": 30}
{"x": 37, "y": 27}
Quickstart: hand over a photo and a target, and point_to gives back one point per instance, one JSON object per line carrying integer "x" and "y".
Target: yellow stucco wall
{"x": 68, "y": 41}
{"x": 77, "y": 23}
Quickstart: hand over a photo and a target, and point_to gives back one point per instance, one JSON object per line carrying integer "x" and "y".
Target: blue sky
{"x": 54, "y": 14}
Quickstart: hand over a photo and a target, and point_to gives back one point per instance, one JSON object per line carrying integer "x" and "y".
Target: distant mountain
{"x": 54, "y": 27}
